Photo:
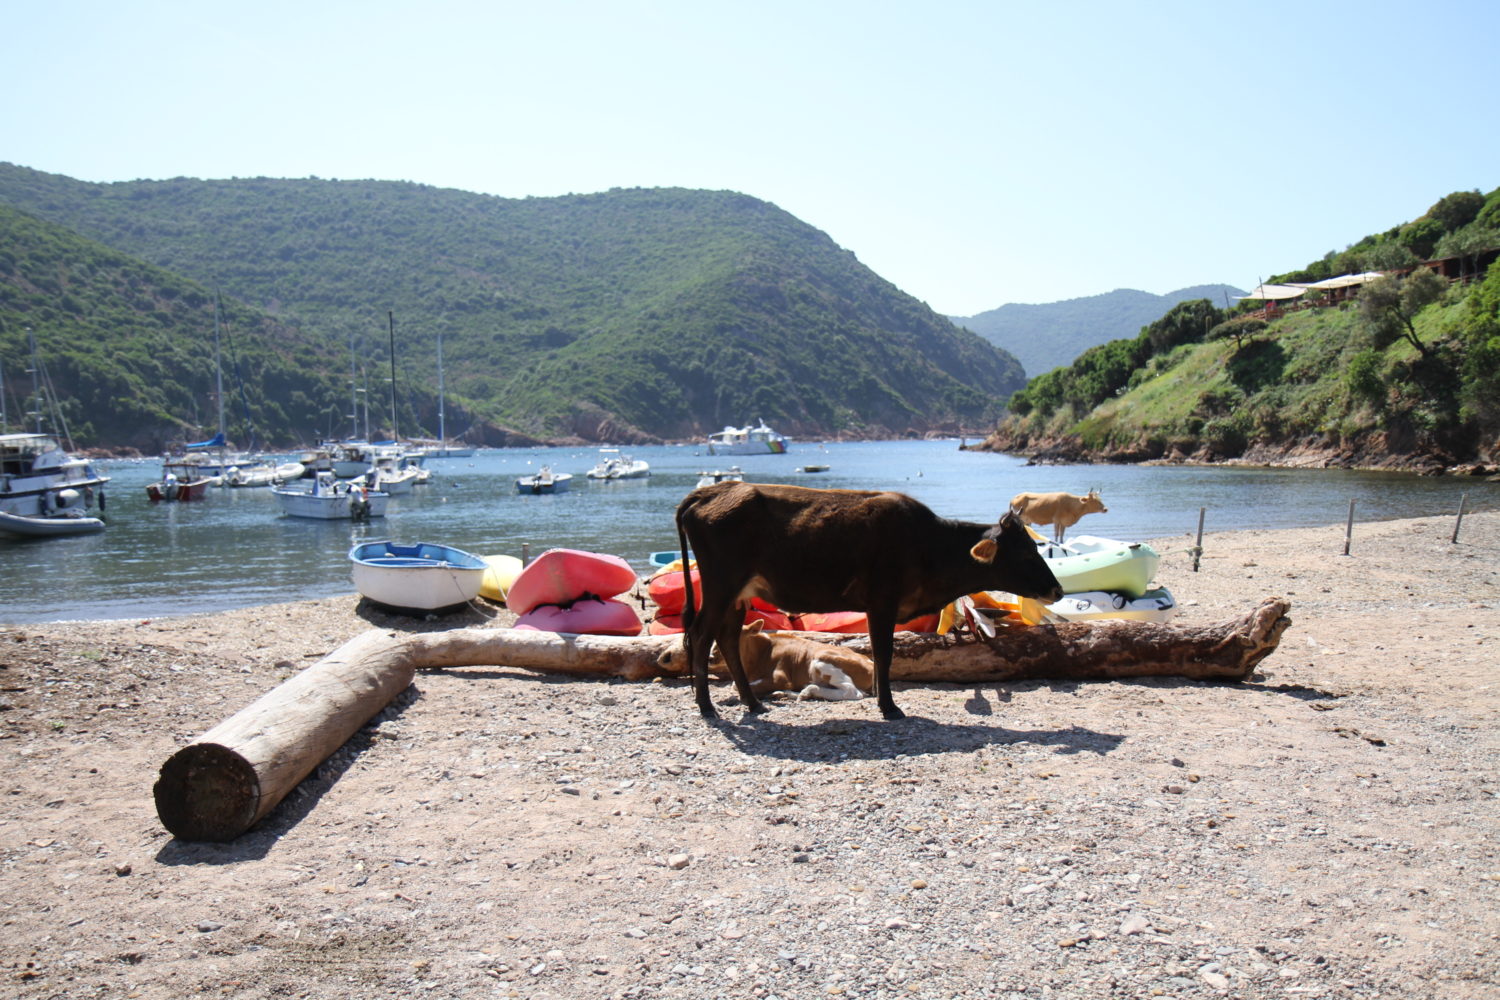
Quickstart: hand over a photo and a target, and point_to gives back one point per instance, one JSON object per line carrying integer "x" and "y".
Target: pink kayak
{"x": 560, "y": 576}
{"x": 589, "y": 616}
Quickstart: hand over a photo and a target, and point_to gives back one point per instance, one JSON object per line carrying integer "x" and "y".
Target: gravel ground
{"x": 1325, "y": 830}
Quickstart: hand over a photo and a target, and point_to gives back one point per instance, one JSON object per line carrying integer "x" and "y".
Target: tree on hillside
{"x": 1456, "y": 210}
{"x": 1390, "y": 303}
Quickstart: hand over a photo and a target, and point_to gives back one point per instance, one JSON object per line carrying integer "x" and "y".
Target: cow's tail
{"x": 688, "y": 611}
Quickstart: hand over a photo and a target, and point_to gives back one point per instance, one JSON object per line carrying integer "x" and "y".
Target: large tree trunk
{"x": 221, "y": 784}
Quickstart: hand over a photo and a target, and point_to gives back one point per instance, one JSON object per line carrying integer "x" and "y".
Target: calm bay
{"x": 235, "y": 548}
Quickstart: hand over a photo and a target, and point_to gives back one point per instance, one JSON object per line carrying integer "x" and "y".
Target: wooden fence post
{"x": 1198, "y": 545}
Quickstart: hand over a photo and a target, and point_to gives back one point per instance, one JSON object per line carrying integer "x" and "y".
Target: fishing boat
{"x": 544, "y": 481}
{"x": 747, "y": 440}
{"x": 330, "y": 499}
{"x": 1087, "y": 563}
{"x": 44, "y": 490}
{"x": 613, "y": 465}
{"x": 420, "y": 578}
{"x": 169, "y": 487}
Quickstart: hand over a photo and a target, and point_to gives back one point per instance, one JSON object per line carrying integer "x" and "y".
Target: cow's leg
{"x": 729, "y": 648}
{"x": 882, "y": 646}
{"x": 702, "y": 628}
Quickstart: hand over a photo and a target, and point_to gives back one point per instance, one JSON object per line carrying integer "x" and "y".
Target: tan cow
{"x": 777, "y": 661}
{"x": 1061, "y": 510}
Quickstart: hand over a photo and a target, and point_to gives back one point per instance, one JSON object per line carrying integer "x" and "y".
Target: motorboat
{"x": 733, "y": 474}
{"x": 169, "y": 487}
{"x": 396, "y": 482}
{"x": 613, "y": 465}
{"x": 544, "y": 481}
{"x": 1087, "y": 563}
{"x": 40, "y": 482}
{"x": 419, "y": 578}
{"x": 747, "y": 440}
{"x": 1156, "y": 605}
{"x": 330, "y": 499}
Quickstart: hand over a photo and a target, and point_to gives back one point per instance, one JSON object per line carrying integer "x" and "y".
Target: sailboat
{"x": 445, "y": 448}
{"x": 213, "y": 459}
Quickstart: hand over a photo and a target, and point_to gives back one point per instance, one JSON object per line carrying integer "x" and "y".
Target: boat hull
{"x": 196, "y": 490}
{"x": 345, "y": 505}
{"x": 48, "y": 527}
{"x": 418, "y": 578}
{"x": 537, "y": 484}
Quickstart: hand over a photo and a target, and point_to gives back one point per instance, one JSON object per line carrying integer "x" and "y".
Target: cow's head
{"x": 1019, "y": 565}
{"x": 1093, "y": 505}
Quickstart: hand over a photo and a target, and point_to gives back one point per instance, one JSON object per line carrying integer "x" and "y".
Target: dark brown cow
{"x": 807, "y": 550}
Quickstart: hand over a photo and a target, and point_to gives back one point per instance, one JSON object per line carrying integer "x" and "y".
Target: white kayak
{"x": 1153, "y": 606}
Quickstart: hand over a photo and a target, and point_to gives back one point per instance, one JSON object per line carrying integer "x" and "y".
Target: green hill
{"x": 628, "y": 315}
{"x": 1052, "y": 334}
{"x": 129, "y": 349}
{"x": 1407, "y": 375}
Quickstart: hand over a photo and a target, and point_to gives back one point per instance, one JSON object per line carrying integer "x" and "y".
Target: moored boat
{"x": 396, "y": 482}
{"x": 331, "y": 500}
{"x": 169, "y": 487}
{"x": 613, "y": 465}
{"x": 418, "y": 578}
{"x": 747, "y": 440}
{"x": 544, "y": 481}
{"x": 733, "y": 474}
{"x": 41, "y": 481}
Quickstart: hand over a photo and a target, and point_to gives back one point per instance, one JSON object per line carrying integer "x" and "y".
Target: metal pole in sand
{"x": 1349, "y": 527}
{"x": 1462, "y": 502}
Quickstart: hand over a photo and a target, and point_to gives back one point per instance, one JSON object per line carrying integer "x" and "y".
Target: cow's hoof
{"x": 892, "y": 713}
{"x": 708, "y": 712}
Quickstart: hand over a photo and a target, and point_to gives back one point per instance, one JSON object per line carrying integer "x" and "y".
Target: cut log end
{"x": 207, "y": 792}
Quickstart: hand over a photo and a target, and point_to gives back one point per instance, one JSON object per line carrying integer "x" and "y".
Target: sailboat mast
{"x": 395, "y": 436}
{"x": 218, "y": 369}
{"x": 4, "y": 416}
{"x": 353, "y": 390}
{"x": 442, "y": 429}
{"x": 36, "y": 386}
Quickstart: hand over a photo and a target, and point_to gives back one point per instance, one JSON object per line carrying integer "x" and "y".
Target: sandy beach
{"x": 1330, "y": 828}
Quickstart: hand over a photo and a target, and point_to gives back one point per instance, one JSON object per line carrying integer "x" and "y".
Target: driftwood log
{"x": 222, "y": 783}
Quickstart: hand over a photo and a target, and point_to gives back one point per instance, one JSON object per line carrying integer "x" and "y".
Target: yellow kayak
{"x": 500, "y": 572}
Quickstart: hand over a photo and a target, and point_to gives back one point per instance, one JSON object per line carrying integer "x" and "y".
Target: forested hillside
{"x": 129, "y": 348}
{"x": 628, "y": 315}
{"x": 1050, "y": 335}
{"x": 1406, "y": 375}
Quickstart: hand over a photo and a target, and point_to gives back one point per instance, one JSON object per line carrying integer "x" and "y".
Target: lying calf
{"x": 776, "y": 661}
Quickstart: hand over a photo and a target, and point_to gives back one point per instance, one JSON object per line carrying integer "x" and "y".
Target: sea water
{"x": 236, "y": 549}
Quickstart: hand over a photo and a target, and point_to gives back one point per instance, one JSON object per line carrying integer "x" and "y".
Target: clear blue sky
{"x": 971, "y": 153}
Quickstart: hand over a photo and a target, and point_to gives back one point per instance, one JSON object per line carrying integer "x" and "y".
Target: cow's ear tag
{"x": 984, "y": 550}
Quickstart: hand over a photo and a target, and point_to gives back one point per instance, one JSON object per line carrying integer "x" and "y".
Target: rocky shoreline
{"x": 1313, "y": 452}
{"x": 1326, "y": 830}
